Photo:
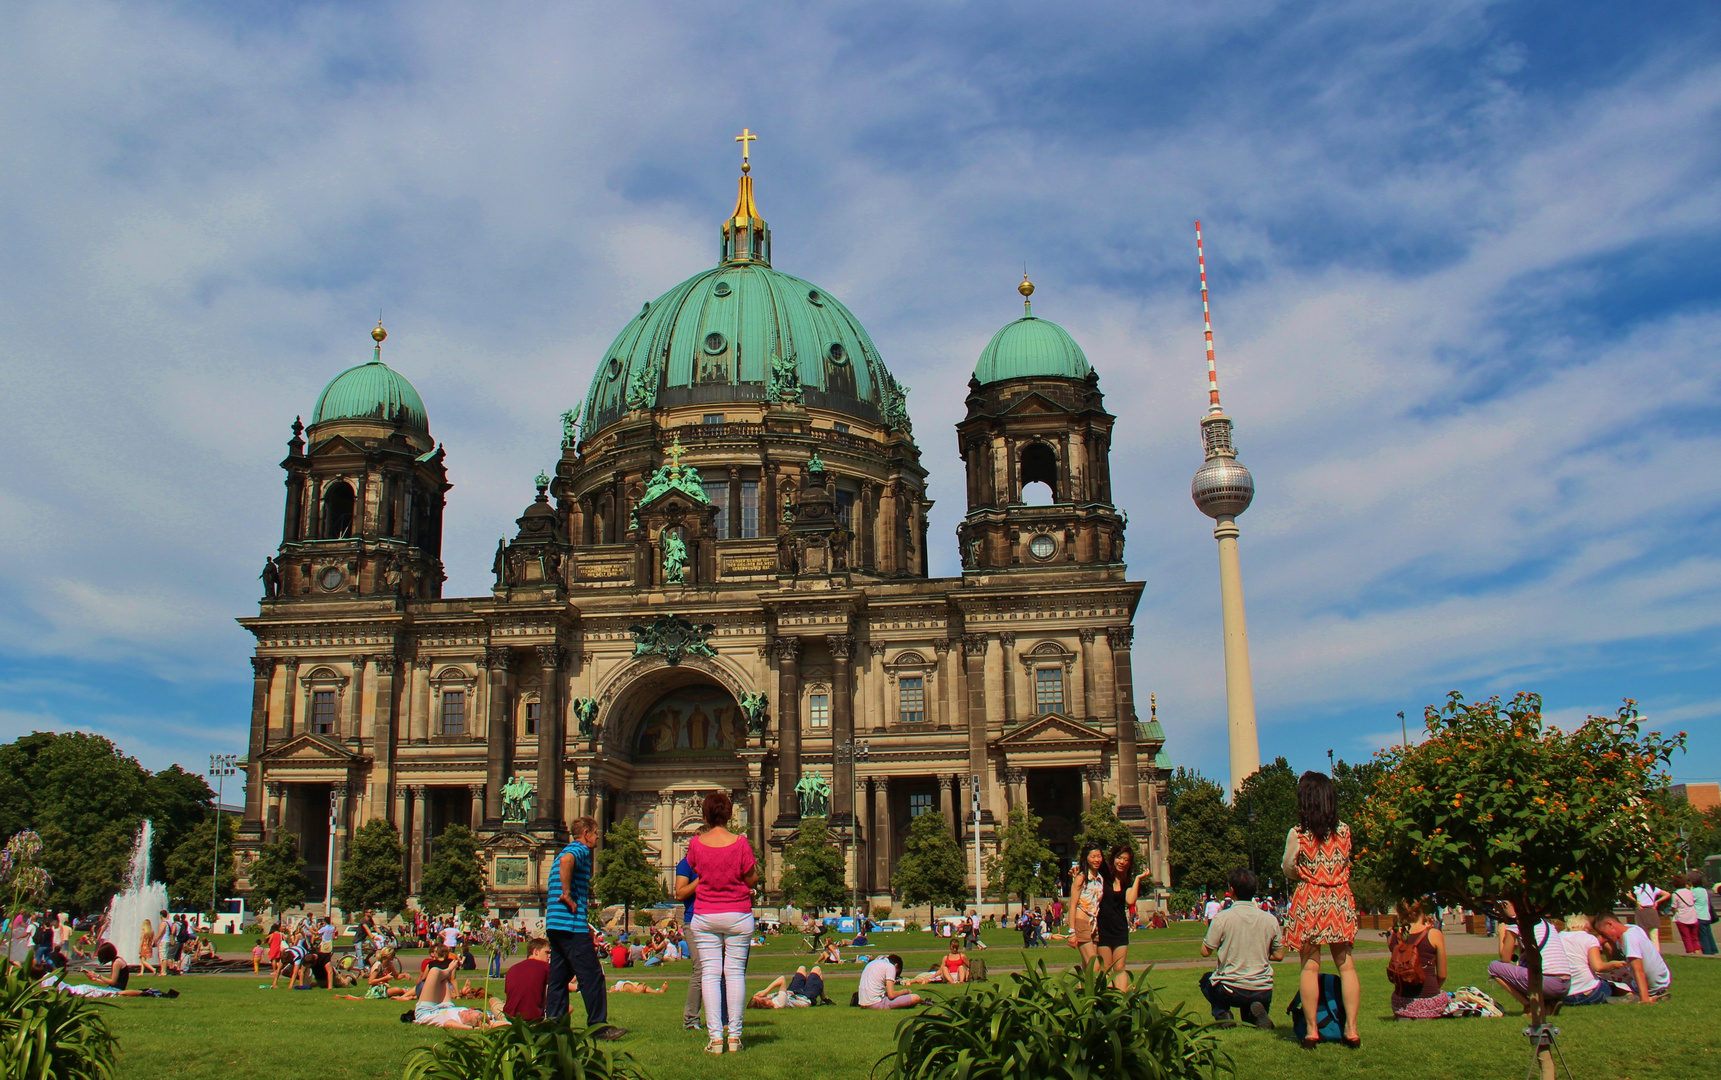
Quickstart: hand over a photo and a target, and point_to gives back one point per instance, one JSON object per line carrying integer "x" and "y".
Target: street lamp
{"x": 221, "y": 766}
{"x": 849, "y": 753}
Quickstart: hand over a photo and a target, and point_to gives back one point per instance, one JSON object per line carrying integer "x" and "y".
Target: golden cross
{"x": 744, "y": 138}
{"x": 675, "y": 451}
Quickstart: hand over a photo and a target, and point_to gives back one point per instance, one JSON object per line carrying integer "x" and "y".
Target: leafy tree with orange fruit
{"x": 1497, "y": 806}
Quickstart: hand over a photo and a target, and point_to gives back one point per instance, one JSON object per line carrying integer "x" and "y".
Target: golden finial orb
{"x": 1026, "y": 288}
{"x": 378, "y": 334}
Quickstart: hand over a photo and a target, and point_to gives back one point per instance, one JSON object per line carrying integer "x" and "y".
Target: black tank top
{"x": 1113, "y": 921}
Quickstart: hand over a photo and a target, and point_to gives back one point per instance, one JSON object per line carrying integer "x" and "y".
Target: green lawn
{"x": 220, "y": 1024}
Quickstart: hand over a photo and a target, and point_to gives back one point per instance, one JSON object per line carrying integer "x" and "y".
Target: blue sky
{"x": 1464, "y": 263}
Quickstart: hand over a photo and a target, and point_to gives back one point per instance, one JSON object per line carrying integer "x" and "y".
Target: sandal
{"x": 715, "y": 1046}
{"x": 734, "y": 1044}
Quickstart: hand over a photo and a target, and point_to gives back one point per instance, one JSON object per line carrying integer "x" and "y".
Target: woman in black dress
{"x": 1122, "y": 889}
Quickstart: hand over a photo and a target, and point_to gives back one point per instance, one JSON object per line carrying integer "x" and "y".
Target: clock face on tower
{"x": 1042, "y": 546}
{"x": 331, "y": 578}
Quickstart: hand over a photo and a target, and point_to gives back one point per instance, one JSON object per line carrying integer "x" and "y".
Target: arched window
{"x": 337, "y": 510}
{"x": 1039, "y": 475}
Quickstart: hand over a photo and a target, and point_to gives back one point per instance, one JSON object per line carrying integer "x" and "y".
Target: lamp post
{"x": 849, "y": 753}
{"x": 221, "y": 766}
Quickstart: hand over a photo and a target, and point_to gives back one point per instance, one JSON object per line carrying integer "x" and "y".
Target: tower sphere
{"x": 1222, "y": 487}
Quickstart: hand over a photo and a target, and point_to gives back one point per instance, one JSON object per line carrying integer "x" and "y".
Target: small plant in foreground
{"x": 1070, "y": 1025}
{"x": 46, "y": 1034}
{"x": 524, "y": 1050}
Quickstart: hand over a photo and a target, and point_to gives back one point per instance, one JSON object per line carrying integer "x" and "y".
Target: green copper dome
{"x": 744, "y": 333}
{"x": 1029, "y": 347}
{"x": 372, "y": 391}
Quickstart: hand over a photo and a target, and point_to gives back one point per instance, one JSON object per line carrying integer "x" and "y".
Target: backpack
{"x": 1329, "y": 1011}
{"x": 1405, "y": 966}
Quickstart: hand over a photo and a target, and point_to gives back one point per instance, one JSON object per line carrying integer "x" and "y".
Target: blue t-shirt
{"x": 557, "y": 915}
{"x": 685, "y": 869}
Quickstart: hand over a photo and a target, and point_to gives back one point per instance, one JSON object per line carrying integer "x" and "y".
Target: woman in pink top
{"x": 725, "y": 871}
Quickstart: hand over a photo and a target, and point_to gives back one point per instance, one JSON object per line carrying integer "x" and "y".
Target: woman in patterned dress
{"x": 1087, "y": 886}
{"x": 1322, "y": 912}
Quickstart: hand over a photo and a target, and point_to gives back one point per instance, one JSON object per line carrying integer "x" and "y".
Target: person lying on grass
{"x": 111, "y": 985}
{"x": 435, "y": 1007}
{"x": 803, "y": 989}
{"x": 629, "y": 986}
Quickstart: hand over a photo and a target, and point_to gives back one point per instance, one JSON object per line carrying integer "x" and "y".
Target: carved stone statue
{"x": 785, "y": 379}
{"x": 814, "y": 794}
{"x": 500, "y": 566}
{"x": 586, "y": 712}
{"x": 516, "y": 801}
{"x": 753, "y": 708}
{"x": 672, "y": 638}
{"x": 570, "y": 427}
{"x": 271, "y": 576}
{"x": 674, "y": 558}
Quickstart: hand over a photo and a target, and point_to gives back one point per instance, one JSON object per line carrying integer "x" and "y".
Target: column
{"x": 272, "y": 824}
{"x": 262, "y": 674}
{"x": 946, "y": 702}
{"x": 289, "y": 697}
{"x": 403, "y": 825}
{"x": 338, "y": 842}
{"x": 356, "y": 697}
{"x": 382, "y": 740}
{"x": 498, "y": 735}
{"x": 732, "y": 527}
{"x": 974, "y": 651}
{"x": 477, "y": 815}
{"x": 842, "y": 727}
{"x": 1129, "y": 776}
{"x": 788, "y": 653}
{"x": 1016, "y": 787}
{"x": 550, "y": 750}
{"x": 421, "y": 698}
{"x": 1094, "y": 789}
{"x": 947, "y": 796}
{"x": 1087, "y": 674}
{"x": 756, "y": 816}
{"x": 881, "y": 834}
{"x": 868, "y": 525}
{"x": 1008, "y": 640}
{"x": 583, "y": 799}
{"x": 666, "y": 857}
{"x": 420, "y": 837}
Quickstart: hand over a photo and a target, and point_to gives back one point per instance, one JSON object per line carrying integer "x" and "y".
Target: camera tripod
{"x": 1544, "y": 1040}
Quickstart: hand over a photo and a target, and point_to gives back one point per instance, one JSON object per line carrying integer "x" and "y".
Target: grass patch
{"x": 222, "y": 1024}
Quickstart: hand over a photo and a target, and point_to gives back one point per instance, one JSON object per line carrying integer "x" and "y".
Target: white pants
{"x": 723, "y": 942}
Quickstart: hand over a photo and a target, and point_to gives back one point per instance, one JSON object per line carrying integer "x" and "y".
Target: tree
{"x": 1355, "y": 785}
{"x": 813, "y": 874}
{"x": 930, "y": 871}
{"x": 1205, "y": 842}
{"x": 1024, "y": 866}
{"x": 453, "y": 878}
{"x": 278, "y": 875}
{"x": 1499, "y": 807}
{"x": 1101, "y": 825}
{"x": 1265, "y": 808}
{"x": 624, "y": 876}
{"x": 188, "y": 868}
{"x": 371, "y": 879}
{"x": 176, "y": 802}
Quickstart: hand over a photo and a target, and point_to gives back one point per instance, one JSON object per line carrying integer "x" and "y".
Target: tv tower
{"x": 1222, "y": 489}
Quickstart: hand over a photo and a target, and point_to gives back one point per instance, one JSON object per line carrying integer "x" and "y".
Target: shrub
{"x": 880, "y": 912}
{"x": 44, "y": 1033}
{"x": 912, "y": 925}
{"x": 524, "y": 1050}
{"x": 1053, "y": 1027}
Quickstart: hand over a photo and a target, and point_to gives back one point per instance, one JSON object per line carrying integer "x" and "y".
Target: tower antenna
{"x": 1207, "y": 325}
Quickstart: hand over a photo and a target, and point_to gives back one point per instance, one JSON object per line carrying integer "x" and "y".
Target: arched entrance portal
{"x": 696, "y": 720}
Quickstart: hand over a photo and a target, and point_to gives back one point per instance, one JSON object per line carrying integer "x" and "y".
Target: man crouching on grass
{"x": 435, "y": 1007}
{"x": 1246, "y": 939}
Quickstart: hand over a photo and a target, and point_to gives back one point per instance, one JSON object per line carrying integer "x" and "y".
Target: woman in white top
{"x": 1649, "y": 900}
{"x": 1685, "y": 915}
{"x": 1584, "y": 957}
{"x": 1705, "y": 912}
{"x": 1515, "y": 977}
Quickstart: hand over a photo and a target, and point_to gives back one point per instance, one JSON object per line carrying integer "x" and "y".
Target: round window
{"x": 714, "y": 343}
{"x": 839, "y": 355}
{"x": 720, "y": 289}
{"x": 1042, "y": 546}
{"x": 331, "y": 578}
{"x": 814, "y": 298}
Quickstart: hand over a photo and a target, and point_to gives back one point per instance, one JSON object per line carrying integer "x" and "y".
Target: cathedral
{"x": 724, "y": 586}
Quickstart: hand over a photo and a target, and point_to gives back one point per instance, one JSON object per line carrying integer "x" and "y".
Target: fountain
{"x": 141, "y": 899}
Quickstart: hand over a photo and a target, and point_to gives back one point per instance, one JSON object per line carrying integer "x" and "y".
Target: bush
{"x": 1054, "y": 1027}
{"x": 44, "y": 1033}
{"x": 912, "y": 926}
{"x": 880, "y": 912}
{"x": 524, "y": 1050}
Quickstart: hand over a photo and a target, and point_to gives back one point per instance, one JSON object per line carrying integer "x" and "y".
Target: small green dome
{"x": 372, "y": 391}
{"x": 1029, "y": 347}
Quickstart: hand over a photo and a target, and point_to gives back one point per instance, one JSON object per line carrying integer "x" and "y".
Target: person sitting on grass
{"x": 384, "y": 969}
{"x": 1419, "y": 996}
{"x": 436, "y": 1008}
{"x": 1642, "y": 976}
{"x": 1246, "y": 940}
{"x": 111, "y": 985}
{"x": 956, "y": 967}
{"x": 526, "y": 980}
{"x": 803, "y": 989}
{"x": 833, "y": 953}
{"x": 1515, "y": 977}
{"x": 1584, "y": 957}
{"x": 879, "y": 984}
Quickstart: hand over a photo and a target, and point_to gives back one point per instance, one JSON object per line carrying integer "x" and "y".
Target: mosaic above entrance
{"x": 692, "y": 721}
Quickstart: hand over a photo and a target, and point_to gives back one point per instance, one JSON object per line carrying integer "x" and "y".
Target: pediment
{"x": 511, "y": 841}
{"x": 1053, "y": 729}
{"x": 336, "y": 445}
{"x": 1035, "y": 404}
{"x": 306, "y": 748}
